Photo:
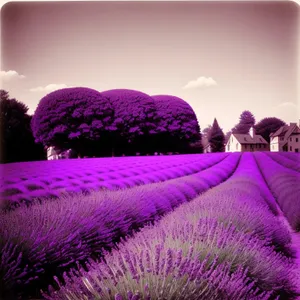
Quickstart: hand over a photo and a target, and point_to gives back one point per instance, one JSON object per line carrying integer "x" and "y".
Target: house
{"x": 206, "y": 145}
{"x": 246, "y": 142}
{"x": 52, "y": 154}
{"x": 286, "y": 138}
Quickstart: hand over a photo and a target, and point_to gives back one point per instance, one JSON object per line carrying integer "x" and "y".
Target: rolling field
{"x": 201, "y": 226}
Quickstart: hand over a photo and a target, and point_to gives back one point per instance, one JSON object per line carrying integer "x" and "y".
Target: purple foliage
{"x": 176, "y": 117}
{"x": 43, "y": 179}
{"x": 55, "y": 234}
{"x": 293, "y": 163}
{"x": 134, "y": 111}
{"x": 218, "y": 246}
{"x": 284, "y": 184}
{"x": 70, "y": 113}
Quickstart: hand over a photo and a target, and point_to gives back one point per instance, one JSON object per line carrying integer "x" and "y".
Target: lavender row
{"x": 284, "y": 184}
{"x": 40, "y": 241}
{"x": 285, "y": 162}
{"x": 69, "y": 181}
{"x": 102, "y": 165}
{"x": 294, "y": 156}
{"x": 221, "y": 245}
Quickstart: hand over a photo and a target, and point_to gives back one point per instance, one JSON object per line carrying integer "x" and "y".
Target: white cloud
{"x": 49, "y": 88}
{"x": 287, "y": 111}
{"x": 9, "y": 75}
{"x": 287, "y": 104}
{"x": 200, "y": 82}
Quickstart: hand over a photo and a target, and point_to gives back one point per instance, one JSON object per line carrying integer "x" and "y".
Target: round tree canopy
{"x": 134, "y": 111}
{"x": 176, "y": 117}
{"x": 71, "y": 113}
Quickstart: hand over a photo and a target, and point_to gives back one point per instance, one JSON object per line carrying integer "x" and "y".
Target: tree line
{"x": 215, "y": 137}
{"x": 111, "y": 123}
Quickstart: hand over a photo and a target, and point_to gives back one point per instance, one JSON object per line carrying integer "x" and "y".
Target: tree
{"x": 268, "y": 125}
{"x": 17, "y": 141}
{"x": 206, "y": 131}
{"x": 134, "y": 114}
{"x": 176, "y": 125}
{"x": 227, "y": 136}
{"x": 77, "y": 118}
{"x": 247, "y": 120}
{"x": 216, "y": 138}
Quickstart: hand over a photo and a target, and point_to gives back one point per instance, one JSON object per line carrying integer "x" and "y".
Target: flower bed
{"x": 23, "y": 181}
{"x": 221, "y": 245}
{"x": 284, "y": 184}
{"x": 46, "y": 239}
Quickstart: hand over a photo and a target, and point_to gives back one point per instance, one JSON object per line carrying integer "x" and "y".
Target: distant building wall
{"x": 294, "y": 143}
{"x": 233, "y": 145}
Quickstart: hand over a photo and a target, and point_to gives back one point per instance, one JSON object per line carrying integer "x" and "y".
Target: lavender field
{"x": 197, "y": 226}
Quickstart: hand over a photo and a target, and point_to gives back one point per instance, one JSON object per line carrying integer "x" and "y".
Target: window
{"x": 281, "y": 138}
{"x": 245, "y": 146}
{"x": 259, "y": 146}
{"x": 290, "y": 139}
{"x": 297, "y": 140}
{"x": 296, "y": 150}
{"x": 291, "y": 148}
{"x": 237, "y": 146}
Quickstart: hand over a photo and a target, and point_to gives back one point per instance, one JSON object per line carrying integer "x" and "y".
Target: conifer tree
{"x": 216, "y": 138}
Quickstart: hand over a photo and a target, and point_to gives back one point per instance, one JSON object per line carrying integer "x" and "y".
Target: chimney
{"x": 251, "y": 132}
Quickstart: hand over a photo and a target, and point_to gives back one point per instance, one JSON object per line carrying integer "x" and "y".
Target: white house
{"x": 52, "y": 154}
{"x": 286, "y": 138}
{"x": 206, "y": 145}
{"x": 246, "y": 142}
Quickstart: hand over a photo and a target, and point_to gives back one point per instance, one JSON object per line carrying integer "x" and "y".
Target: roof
{"x": 286, "y": 131}
{"x": 247, "y": 139}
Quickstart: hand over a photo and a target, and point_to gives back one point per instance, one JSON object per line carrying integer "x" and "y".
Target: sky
{"x": 220, "y": 57}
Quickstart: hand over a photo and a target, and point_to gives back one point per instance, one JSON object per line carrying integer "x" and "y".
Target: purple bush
{"x": 66, "y": 116}
{"x": 176, "y": 116}
{"x": 176, "y": 123}
{"x": 134, "y": 112}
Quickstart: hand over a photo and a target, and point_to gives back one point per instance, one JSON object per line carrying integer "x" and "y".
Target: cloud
{"x": 49, "y": 88}
{"x": 287, "y": 105}
{"x": 9, "y": 75}
{"x": 200, "y": 82}
{"x": 287, "y": 111}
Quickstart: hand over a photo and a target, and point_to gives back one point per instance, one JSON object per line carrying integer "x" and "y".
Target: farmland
{"x": 198, "y": 226}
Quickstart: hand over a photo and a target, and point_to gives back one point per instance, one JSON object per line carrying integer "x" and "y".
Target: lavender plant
{"x": 285, "y": 161}
{"x": 284, "y": 184}
{"x": 48, "y": 180}
{"x": 187, "y": 253}
{"x": 53, "y": 236}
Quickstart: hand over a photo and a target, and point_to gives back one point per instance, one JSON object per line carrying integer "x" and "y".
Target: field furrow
{"x": 73, "y": 176}
{"x": 284, "y": 185}
{"x": 225, "y": 244}
{"x": 286, "y": 162}
{"x": 50, "y": 237}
